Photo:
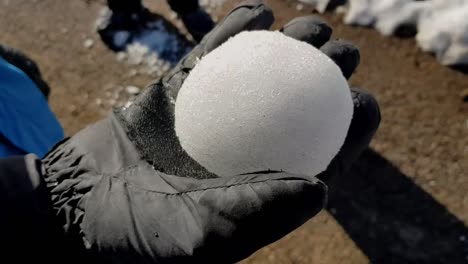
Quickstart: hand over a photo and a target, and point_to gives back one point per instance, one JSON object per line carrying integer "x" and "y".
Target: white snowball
{"x": 264, "y": 101}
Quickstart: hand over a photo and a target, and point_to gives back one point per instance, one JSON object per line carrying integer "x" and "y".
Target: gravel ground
{"x": 405, "y": 201}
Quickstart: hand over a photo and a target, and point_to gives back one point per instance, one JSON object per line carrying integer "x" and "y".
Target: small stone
{"x": 99, "y": 101}
{"x": 128, "y": 104}
{"x": 88, "y": 43}
{"x": 121, "y": 56}
{"x": 172, "y": 15}
{"x": 464, "y": 95}
{"x": 432, "y": 183}
{"x": 112, "y": 102}
{"x": 132, "y": 90}
{"x": 341, "y": 10}
{"x": 120, "y": 104}
{"x": 299, "y": 7}
{"x": 73, "y": 110}
{"x": 133, "y": 72}
{"x": 178, "y": 24}
{"x": 166, "y": 67}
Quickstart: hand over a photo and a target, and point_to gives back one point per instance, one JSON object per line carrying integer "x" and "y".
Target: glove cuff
{"x": 27, "y": 221}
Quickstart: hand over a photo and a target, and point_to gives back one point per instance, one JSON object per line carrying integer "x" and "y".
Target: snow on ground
{"x": 443, "y": 30}
{"x": 153, "y": 47}
{"x": 385, "y": 15}
{"x": 442, "y": 25}
{"x": 155, "y": 43}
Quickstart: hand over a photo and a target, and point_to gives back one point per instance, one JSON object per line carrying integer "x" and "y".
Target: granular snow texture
{"x": 264, "y": 101}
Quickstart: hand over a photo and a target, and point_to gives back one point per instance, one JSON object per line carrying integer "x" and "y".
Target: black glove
{"x": 27, "y": 65}
{"x": 115, "y": 192}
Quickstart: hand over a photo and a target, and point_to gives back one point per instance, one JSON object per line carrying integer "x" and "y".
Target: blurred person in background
{"x": 27, "y": 125}
{"x": 131, "y": 15}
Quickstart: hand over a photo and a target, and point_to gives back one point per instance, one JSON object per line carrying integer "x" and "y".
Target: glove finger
{"x": 268, "y": 206}
{"x": 364, "y": 124}
{"x": 366, "y": 119}
{"x": 344, "y": 54}
{"x": 311, "y": 29}
{"x": 249, "y": 15}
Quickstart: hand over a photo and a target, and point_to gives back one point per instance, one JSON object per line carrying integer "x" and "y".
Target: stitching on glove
{"x": 315, "y": 182}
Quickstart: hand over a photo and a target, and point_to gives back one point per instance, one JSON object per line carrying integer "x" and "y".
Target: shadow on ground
{"x": 461, "y": 68}
{"x": 392, "y": 220}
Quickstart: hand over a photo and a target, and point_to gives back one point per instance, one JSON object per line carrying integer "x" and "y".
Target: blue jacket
{"x": 27, "y": 125}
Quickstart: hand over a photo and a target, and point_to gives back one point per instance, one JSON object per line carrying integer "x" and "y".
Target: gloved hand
{"x": 125, "y": 191}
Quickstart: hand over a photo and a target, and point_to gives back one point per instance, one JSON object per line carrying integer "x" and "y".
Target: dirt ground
{"x": 405, "y": 201}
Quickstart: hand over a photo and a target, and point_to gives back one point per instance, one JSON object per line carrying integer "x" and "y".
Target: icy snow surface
{"x": 443, "y": 30}
{"x": 442, "y": 25}
{"x": 154, "y": 48}
{"x": 385, "y": 15}
{"x": 264, "y": 101}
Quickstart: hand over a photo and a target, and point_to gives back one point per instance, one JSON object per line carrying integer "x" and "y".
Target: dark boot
{"x": 196, "y": 20}
{"x": 122, "y": 16}
{"x": 125, "y": 6}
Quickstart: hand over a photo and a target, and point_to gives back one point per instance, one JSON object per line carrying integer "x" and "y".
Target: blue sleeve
{"x": 26, "y": 121}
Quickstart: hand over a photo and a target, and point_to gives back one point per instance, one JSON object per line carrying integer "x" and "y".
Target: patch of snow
{"x": 443, "y": 30}
{"x": 385, "y": 15}
{"x": 88, "y": 43}
{"x": 154, "y": 49}
{"x": 442, "y": 25}
{"x": 121, "y": 37}
{"x": 132, "y": 90}
{"x": 212, "y": 3}
{"x": 299, "y": 7}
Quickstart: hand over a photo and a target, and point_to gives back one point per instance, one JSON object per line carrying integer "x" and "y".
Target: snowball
{"x": 264, "y": 101}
